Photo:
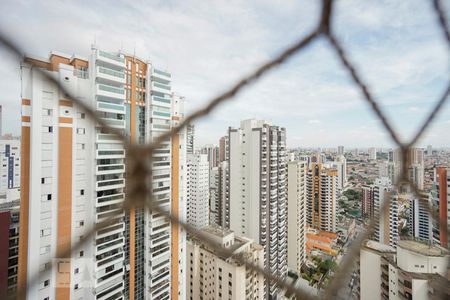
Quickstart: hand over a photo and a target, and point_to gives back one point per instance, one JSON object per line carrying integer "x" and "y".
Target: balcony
{"x": 110, "y": 75}
{"x": 162, "y": 101}
{"x": 110, "y": 184}
{"x": 120, "y": 124}
{"x": 105, "y": 91}
{"x": 110, "y": 107}
{"x": 161, "y": 74}
{"x": 109, "y": 59}
{"x": 160, "y": 87}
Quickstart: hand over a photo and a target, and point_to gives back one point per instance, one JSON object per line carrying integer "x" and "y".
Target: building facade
{"x": 198, "y": 190}
{"x": 212, "y": 153}
{"x": 440, "y": 202}
{"x": 9, "y": 245}
{"x": 9, "y": 165}
{"x": 73, "y": 177}
{"x": 212, "y": 275}
{"x": 321, "y": 190}
{"x": 367, "y": 201}
{"x": 218, "y": 194}
{"x": 223, "y": 148}
{"x": 296, "y": 191}
{"x": 419, "y": 221}
{"x": 408, "y": 271}
{"x": 372, "y": 153}
{"x": 386, "y": 217}
{"x": 257, "y": 191}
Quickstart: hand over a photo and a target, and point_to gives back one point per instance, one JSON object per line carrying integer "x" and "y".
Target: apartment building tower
{"x": 372, "y": 153}
{"x": 212, "y": 153}
{"x": 73, "y": 177}
{"x": 440, "y": 201}
{"x": 223, "y": 148}
{"x": 9, "y": 244}
{"x": 419, "y": 221}
{"x": 218, "y": 194}
{"x": 212, "y": 275}
{"x": 198, "y": 190}
{"x": 386, "y": 217}
{"x": 9, "y": 165}
{"x": 409, "y": 271}
{"x": 367, "y": 201}
{"x": 296, "y": 204}
{"x": 257, "y": 191}
{"x": 190, "y": 139}
{"x": 321, "y": 191}
{"x": 340, "y": 164}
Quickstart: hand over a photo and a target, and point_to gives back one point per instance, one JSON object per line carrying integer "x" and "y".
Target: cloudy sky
{"x": 208, "y": 45}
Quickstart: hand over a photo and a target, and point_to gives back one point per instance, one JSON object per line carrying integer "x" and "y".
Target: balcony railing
{"x": 111, "y": 89}
{"x": 111, "y": 72}
{"x": 111, "y": 56}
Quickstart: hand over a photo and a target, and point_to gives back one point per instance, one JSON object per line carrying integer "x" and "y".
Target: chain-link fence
{"x": 139, "y": 192}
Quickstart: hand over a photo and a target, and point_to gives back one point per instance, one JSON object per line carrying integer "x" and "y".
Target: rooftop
{"x": 378, "y": 246}
{"x": 423, "y": 248}
{"x": 217, "y": 230}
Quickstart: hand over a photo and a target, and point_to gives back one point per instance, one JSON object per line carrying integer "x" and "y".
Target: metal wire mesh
{"x": 139, "y": 192}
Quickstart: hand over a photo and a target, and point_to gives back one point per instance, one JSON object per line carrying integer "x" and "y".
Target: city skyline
{"x": 404, "y": 62}
{"x": 232, "y": 150}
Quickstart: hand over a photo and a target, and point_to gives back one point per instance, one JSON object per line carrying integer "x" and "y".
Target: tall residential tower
{"x": 257, "y": 191}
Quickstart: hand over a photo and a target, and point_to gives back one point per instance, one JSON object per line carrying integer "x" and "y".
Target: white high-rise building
{"x": 73, "y": 177}
{"x": 419, "y": 221}
{"x": 198, "y": 190}
{"x": 340, "y": 164}
{"x": 9, "y": 165}
{"x": 211, "y": 275}
{"x": 412, "y": 270}
{"x": 321, "y": 191}
{"x": 296, "y": 190}
{"x": 340, "y": 150}
{"x": 257, "y": 191}
{"x": 429, "y": 150}
{"x": 386, "y": 227}
{"x": 373, "y": 153}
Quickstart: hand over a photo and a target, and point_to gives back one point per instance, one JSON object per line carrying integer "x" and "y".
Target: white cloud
{"x": 208, "y": 45}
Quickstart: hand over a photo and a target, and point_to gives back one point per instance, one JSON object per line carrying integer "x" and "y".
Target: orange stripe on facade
{"x": 26, "y": 119}
{"x": 64, "y": 215}
{"x": 65, "y": 120}
{"x": 175, "y": 212}
{"x": 132, "y": 277}
{"x": 65, "y": 103}
{"x": 26, "y": 102}
{"x": 24, "y": 212}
